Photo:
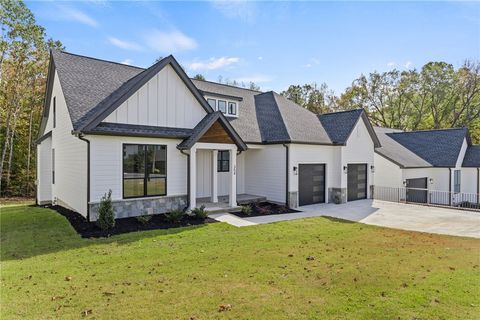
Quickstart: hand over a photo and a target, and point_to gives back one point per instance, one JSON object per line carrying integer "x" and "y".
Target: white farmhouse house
{"x": 442, "y": 161}
{"x": 161, "y": 141}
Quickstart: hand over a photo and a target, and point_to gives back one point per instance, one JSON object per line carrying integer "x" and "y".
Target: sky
{"x": 274, "y": 44}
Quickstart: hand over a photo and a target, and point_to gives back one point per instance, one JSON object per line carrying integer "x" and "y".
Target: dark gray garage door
{"x": 417, "y": 190}
{"x": 357, "y": 182}
{"x": 311, "y": 184}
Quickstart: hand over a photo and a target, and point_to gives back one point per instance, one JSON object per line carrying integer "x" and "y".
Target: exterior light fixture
{"x": 372, "y": 168}
{"x": 430, "y": 180}
{"x": 345, "y": 169}
{"x": 295, "y": 170}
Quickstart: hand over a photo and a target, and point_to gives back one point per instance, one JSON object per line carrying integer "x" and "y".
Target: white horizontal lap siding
{"x": 265, "y": 172}
{"x": 311, "y": 154}
{"x": 387, "y": 173}
{"x": 44, "y": 171}
{"x": 359, "y": 149}
{"x": 106, "y": 165}
{"x": 163, "y": 101}
{"x": 70, "y": 187}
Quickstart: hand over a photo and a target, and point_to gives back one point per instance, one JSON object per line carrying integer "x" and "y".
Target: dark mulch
{"x": 265, "y": 209}
{"x": 124, "y": 225}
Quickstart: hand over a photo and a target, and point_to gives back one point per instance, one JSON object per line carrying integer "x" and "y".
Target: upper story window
{"x": 229, "y": 108}
{"x": 54, "y": 112}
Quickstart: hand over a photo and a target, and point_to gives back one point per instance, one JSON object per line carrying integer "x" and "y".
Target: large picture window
{"x": 223, "y": 164}
{"x": 144, "y": 170}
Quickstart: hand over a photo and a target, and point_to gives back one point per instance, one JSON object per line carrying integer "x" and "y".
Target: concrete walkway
{"x": 381, "y": 213}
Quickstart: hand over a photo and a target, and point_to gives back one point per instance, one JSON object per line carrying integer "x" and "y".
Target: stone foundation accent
{"x": 341, "y": 193}
{"x": 136, "y": 207}
{"x": 293, "y": 199}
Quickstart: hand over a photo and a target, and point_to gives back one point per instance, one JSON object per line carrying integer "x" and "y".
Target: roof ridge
{"x": 227, "y": 85}
{"x": 432, "y": 130}
{"x": 98, "y": 59}
{"x": 343, "y": 111}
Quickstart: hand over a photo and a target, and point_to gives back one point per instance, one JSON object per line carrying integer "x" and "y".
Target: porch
{"x": 223, "y": 202}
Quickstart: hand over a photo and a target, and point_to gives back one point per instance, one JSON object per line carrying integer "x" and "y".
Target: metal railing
{"x": 458, "y": 200}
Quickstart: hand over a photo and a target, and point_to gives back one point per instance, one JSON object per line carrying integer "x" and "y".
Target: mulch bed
{"x": 124, "y": 225}
{"x": 264, "y": 209}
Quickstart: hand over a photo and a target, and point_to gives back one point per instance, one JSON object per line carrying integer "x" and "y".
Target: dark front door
{"x": 417, "y": 190}
{"x": 357, "y": 182}
{"x": 311, "y": 184}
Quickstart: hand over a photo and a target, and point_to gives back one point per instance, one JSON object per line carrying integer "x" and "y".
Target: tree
{"x": 199, "y": 76}
{"x": 318, "y": 99}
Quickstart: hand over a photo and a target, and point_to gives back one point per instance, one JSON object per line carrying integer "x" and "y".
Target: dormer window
{"x": 227, "y": 107}
{"x": 232, "y": 108}
{"x": 222, "y": 106}
{"x": 212, "y": 103}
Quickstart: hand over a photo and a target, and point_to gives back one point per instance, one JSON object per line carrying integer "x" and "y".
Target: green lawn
{"x": 358, "y": 272}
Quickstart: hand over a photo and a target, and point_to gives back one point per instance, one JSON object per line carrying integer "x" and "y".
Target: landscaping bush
{"x": 174, "y": 216}
{"x": 200, "y": 213}
{"x": 247, "y": 209}
{"x": 143, "y": 219}
{"x": 106, "y": 216}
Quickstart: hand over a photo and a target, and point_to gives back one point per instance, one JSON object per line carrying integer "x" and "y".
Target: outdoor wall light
{"x": 430, "y": 180}
{"x": 345, "y": 169}
{"x": 295, "y": 170}
{"x": 372, "y": 168}
{"x": 404, "y": 183}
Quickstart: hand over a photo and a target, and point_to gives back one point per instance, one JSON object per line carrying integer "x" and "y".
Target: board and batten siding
{"x": 44, "y": 171}
{"x": 387, "y": 173}
{"x": 70, "y": 187}
{"x": 164, "y": 101}
{"x": 106, "y": 166}
{"x": 265, "y": 173}
{"x": 204, "y": 175}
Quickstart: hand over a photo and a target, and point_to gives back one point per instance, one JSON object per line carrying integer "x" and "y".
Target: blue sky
{"x": 274, "y": 44}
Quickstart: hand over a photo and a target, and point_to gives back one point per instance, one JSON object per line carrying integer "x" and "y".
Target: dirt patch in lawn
{"x": 263, "y": 209}
{"x": 124, "y": 225}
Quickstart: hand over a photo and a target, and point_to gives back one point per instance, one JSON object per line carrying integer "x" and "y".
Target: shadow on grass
{"x": 29, "y": 231}
{"x": 334, "y": 219}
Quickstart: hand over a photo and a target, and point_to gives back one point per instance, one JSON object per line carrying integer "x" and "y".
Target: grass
{"x": 355, "y": 271}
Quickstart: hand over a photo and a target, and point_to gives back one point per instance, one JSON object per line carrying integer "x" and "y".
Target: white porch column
{"x": 233, "y": 178}
{"x": 193, "y": 177}
{"x": 214, "y": 176}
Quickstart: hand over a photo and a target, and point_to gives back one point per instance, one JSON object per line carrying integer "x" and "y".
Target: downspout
{"x": 80, "y": 136}
{"x": 287, "y": 154}
{"x": 449, "y": 186}
{"x": 188, "y": 178}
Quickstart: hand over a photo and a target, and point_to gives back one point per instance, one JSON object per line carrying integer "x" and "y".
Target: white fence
{"x": 469, "y": 201}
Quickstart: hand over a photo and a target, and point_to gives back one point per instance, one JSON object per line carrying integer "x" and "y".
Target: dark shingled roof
{"x": 396, "y": 152}
{"x": 472, "y": 157}
{"x": 107, "y": 128}
{"x": 339, "y": 125}
{"x": 440, "y": 148}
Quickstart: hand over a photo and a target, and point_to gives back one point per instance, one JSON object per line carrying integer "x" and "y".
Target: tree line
{"x": 436, "y": 96}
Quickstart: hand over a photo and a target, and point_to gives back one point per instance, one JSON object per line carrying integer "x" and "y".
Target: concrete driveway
{"x": 385, "y": 214}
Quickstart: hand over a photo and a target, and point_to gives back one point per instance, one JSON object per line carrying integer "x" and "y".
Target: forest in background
{"x": 436, "y": 96}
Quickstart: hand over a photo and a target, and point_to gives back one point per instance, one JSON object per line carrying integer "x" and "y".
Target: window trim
{"x": 218, "y": 106}
{"x": 235, "y": 108}
{"x": 457, "y": 175}
{"x": 214, "y": 107}
{"x": 53, "y": 165}
{"x": 220, "y": 160}
{"x": 145, "y": 195}
{"x": 227, "y": 101}
{"x": 54, "y": 112}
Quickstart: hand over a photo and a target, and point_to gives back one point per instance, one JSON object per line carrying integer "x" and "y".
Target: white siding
{"x": 305, "y": 154}
{"x": 265, "y": 172}
{"x": 107, "y": 159}
{"x": 44, "y": 171}
{"x": 387, "y": 173}
{"x": 469, "y": 180}
{"x": 70, "y": 187}
{"x": 163, "y": 101}
{"x": 359, "y": 149}
{"x": 439, "y": 176}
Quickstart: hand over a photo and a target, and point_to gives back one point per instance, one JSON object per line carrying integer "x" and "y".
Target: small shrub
{"x": 174, "y": 216}
{"x": 143, "y": 219}
{"x": 200, "y": 213}
{"x": 106, "y": 216}
{"x": 247, "y": 209}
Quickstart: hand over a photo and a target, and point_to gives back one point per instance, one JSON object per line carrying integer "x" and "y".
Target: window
{"x": 456, "y": 181}
{"x": 222, "y": 106}
{"x": 223, "y": 163}
{"x": 54, "y": 112}
{"x": 232, "y": 108}
{"x": 53, "y": 166}
{"x": 212, "y": 103}
{"x": 144, "y": 170}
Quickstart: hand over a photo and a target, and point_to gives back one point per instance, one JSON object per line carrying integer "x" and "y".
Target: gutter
{"x": 80, "y": 136}
{"x": 188, "y": 178}
{"x": 287, "y": 158}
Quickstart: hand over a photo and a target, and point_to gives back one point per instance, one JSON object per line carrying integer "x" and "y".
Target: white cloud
{"x": 73, "y": 14}
{"x": 312, "y": 62}
{"x": 170, "y": 42}
{"x": 391, "y": 64}
{"x": 127, "y": 45}
{"x": 408, "y": 64}
{"x": 245, "y": 11}
{"x": 258, "y": 78}
{"x": 127, "y": 61}
{"x": 213, "y": 63}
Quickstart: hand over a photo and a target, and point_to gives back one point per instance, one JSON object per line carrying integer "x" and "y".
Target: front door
{"x": 357, "y": 182}
{"x": 311, "y": 184}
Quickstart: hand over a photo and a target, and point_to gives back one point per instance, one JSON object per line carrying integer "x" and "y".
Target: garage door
{"x": 417, "y": 190}
{"x": 357, "y": 182}
{"x": 311, "y": 182}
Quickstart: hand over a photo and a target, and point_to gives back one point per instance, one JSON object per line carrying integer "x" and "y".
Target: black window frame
{"x": 221, "y": 160}
{"x": 214, "y": 107}
{"x": 54, "y": 112}
{"x": 230, "y": 103}
{"x": 226, "y": 106}
{"x": 53, "y": 166}
{"x": 457, "y": 181}
{"x": 145, "y": 176}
